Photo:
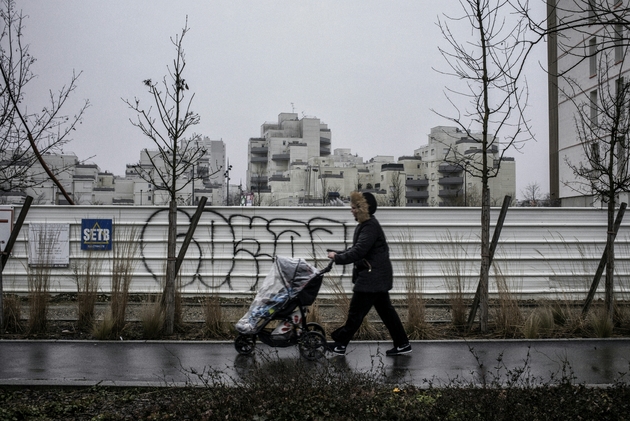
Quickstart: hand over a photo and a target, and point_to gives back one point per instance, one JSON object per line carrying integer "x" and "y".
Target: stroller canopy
{"x": 287, "y": 277}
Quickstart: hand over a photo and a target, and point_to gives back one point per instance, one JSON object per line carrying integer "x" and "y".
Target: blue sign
{"x": 96, "y": 234}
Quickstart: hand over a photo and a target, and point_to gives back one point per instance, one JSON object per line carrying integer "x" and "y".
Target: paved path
{"x": 137, "y": 363}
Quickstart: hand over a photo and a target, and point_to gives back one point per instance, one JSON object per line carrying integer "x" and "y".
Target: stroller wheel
{"x": 312, "y": 345}
{"x": 245, "y": 344}
{"x": 312, "y": 326}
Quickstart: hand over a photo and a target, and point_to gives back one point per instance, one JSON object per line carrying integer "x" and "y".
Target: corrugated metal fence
{"x": 542, "y": 251}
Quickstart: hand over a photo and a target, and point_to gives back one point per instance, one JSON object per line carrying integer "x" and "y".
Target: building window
{"x": 620, "y": 95}
{"x": 592, "y": 56}
{"x": 593, "y": 108}
{"x": 594, "y": 158}
{"x": 618, "y": 43}
{"x": 622, "y": 156}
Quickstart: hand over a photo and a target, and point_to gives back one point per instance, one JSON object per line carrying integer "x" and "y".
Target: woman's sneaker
{"x": 337, "y": 348}
{"x": 398, "y": 350}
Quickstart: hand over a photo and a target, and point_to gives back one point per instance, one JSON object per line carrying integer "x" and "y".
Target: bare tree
{"x": 397, "y": 189}
{"x": 25, "y": 136}
{"x": 531, "y": 193}
{"x": 491, "y": 64}
{"x": 175, "y": 154}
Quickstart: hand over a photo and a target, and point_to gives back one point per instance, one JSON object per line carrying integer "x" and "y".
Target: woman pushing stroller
{"x": 372, "y": 276}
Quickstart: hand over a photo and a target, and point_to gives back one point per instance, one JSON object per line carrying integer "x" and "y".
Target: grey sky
{"x": 363, "y": 67}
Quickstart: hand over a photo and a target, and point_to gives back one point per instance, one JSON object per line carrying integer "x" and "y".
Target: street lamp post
{"x": 227, "y": 177}
{"x": 140, "y": 197}
{"x": 465, "y": 184}
{"x": 193, "y": 184}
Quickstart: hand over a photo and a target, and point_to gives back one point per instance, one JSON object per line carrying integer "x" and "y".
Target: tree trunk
{"x": 485, "y": 259}
{"x": 169, "y": 282}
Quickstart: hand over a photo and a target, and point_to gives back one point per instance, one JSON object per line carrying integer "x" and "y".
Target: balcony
{"x": 392, "y": 167}
{"x": 449, "y": 193}
{"x": 324, "y": 151}
{"x": 417, "y": 183}
{"x": 411, "y": 194}
{"x": 324, "y": 141}
{"x": 279, "y": 177}
{"x": 260, "y": 150}
{"x": 447, "y": 169}
{"x": 281, "y": 157}
{"x": 257, "y": 179}
{"x": 255, "y": 159}
{"x": 451, "y": 181}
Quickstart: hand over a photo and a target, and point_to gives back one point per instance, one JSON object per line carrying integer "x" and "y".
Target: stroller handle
{"x": 327, "y": 268}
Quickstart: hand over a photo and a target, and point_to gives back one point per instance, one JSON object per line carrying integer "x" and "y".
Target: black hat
{"x": 371, "y": 201}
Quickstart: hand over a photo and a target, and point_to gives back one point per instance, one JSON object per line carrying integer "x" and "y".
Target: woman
{"x": 372, "y": 276}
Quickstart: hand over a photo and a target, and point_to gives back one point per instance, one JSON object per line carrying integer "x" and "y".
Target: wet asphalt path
{"x": 138, "y": 363}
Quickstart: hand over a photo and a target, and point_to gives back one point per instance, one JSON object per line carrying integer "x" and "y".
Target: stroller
{"x": 291, "y": 286}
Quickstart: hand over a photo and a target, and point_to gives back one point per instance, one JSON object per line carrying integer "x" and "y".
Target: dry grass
{"x": 314, "y": 315}
{"x": 416, "y": 324}
{"x": 11, "y": 314}
{"x": 508, "y": 318}
{"x": 104, "y": 330}
{"x": 214, "y": 325}
{"x": 125, "y": 253}
{"x": 600, "y": 324}
{"x": 87, "y": 277}
{"x": 152, "y": 318}
{"x": 38, "y": 276}
{"x": 456, "y": 276}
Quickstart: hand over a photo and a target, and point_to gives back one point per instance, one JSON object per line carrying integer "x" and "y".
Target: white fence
{"x": 542, "y": 251}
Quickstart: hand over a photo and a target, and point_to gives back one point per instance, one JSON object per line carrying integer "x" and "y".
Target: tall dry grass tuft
{"x": 531, "y": 327}
{"x": 104, "y": 329}
{"x": 124, "y": 259}
{"x": 508, "y": 318}
{"x": 600, "y": 324}
{"x": 416, "y": 325}
{"x": 214, "y": 325}
{"x": 87, "y": 277}
{"x": 152, "y": 318}
{"x": 455, "y": 274}
{"x": 38, "y": 278}
{"x": 11, "y": 314}
{"x": 314, "y": 314}
{"x": 539, "y": 324}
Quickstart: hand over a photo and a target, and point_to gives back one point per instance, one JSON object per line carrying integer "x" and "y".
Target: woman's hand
{"x": 331, "y": 255}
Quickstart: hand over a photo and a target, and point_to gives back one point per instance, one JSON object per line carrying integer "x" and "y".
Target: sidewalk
{"x": 138, "y": 363}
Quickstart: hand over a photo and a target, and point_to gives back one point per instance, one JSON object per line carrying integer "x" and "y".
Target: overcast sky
{"x": 364, "y": 67}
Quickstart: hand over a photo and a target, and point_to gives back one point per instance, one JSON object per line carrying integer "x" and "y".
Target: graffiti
{"x": 239, "y": 241}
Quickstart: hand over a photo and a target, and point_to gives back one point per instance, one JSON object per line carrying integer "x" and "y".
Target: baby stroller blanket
{"x": 286, "y": 279}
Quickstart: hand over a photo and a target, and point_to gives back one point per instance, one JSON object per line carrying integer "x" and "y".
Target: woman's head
{"x": 363, "y": 205}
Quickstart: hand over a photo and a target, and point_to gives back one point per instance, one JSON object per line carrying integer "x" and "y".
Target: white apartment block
{"x": 590, "y": 60}
{"x": 440, "y": 183}
{"x": 87, "y": 185}
{"x": 286, "y": 168}
{"x": 284, "y": 162}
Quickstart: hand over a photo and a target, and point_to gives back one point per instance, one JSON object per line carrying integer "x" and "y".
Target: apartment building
{"x": 86, "y": 184}
{"x": 291, "y": 164}
{"x": 284, "y": 162}
{"x": 588, "y": 67}
{"x": 440, "y": 182}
